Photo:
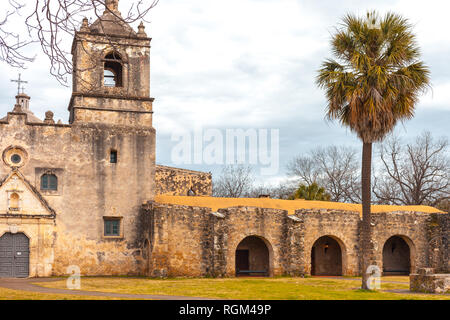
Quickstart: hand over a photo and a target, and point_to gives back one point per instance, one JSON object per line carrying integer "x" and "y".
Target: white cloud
{"x": 252, "y": 64}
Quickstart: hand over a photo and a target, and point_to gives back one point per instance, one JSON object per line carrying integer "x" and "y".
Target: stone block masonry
{"x": 182, "y": 182}
{"x": 197, "y": 241}
{"x": 425, "y": 280}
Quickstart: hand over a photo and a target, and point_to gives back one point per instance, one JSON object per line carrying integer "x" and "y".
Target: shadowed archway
{"x": 252, "y": 257}
{"x": 326, "y": 257}
{"x": 396, "y": 256}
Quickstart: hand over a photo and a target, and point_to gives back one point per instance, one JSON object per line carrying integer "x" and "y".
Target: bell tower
{"x": 111, "y": 72}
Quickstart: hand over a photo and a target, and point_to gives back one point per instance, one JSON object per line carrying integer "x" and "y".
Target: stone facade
{"x": 103, "y": 161}
{"x": 215, "y": 237}
{"x": 182, "y": 182}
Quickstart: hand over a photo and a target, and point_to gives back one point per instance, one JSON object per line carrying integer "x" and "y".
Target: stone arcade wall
{"x": 179, "y": 182}
{"x": 412, "y": 227}
{"x": 342, "y": 226}
{"x": 195, "y": 241}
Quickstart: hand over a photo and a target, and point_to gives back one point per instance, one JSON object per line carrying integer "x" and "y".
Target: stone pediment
{"x": 19, "y": 197}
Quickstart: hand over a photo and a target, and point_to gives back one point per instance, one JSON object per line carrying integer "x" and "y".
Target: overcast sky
{"x": 252, "y": 64}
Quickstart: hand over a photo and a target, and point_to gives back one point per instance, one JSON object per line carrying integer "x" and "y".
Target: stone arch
{"x": 254, "y": 257}
{"x": 113, "y": 69}
{"x": 328, "y": 256}
{"x": 14, "y": 201}
{"x": 398, "y": 255}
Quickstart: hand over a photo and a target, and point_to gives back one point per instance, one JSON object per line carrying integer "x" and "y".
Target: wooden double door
{"x": 14, "y": 255}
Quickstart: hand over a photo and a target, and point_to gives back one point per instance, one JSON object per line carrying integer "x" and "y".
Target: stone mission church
{"x": 89, "y": 193}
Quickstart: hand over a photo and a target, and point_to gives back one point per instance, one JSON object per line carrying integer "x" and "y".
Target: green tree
{"x": 374, "y": 81}
{"x": 311, "y": 192}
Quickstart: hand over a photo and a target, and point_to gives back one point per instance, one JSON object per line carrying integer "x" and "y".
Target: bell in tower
{"x": 111, "y": 72}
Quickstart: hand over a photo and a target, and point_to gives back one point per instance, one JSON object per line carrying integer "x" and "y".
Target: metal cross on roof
{"x": 19, "y": 81}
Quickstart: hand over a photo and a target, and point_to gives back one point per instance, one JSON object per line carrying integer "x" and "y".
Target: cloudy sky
{"x": 251, "y": 64}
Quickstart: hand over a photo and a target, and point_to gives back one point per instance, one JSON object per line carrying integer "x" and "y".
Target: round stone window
{"x": 14, "y": 156}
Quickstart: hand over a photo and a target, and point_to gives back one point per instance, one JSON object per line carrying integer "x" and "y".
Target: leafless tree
{"x": 235, "y": 181}
{"x": 282, "y": 190}
{"x": 304, "y": 168}
{"x": 49, "y": 22}
{"x": 413, "y": 174}
{"x": 334, "y": 168}
{"x": 11, "y": 45}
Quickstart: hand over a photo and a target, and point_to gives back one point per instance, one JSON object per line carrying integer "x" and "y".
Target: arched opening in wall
{"x": 112, "y": 74}
{"x": 253, "y": 257}
{"x": 14, "y": 202}
{"x": 327, "y": 257}
{"x": 396, "y": 256}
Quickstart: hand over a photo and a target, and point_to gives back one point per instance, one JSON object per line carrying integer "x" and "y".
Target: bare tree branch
{"x": 11, "y": 47}
{"x": 235, "y": 182}
{"x": 50, "y": 22}
{"x": 335, "y": 168}
{"x": 413, "y": 174}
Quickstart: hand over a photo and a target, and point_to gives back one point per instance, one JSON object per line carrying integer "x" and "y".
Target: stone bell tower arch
{"x": 111, "y": 72}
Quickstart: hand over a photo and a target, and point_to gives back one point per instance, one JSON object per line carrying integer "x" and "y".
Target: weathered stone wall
{"x": 270, "y": 225}
{"x": 89, "y": 187}
{"x": 342, "y": 226}
{"x": 439, "y": 236}
{"x": 194, "y": 241}
{"x": 88, "y": 54}
{"x": 412, "y": 227}
{"x": 182, "y": 182}
{"x": 179, "y": 238}
{"x": 425, "y": 280}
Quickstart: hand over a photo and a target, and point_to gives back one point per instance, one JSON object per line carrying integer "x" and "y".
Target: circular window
{"x": 15, "y": 158}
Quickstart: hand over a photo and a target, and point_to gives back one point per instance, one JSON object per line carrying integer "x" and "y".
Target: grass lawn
{"x": 278, "y": 288}
{"x": 9, "y": 294}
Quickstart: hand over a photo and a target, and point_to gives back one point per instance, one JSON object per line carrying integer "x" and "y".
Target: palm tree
{"x": 311, "y": 192}
{"x": 373, "y": 82}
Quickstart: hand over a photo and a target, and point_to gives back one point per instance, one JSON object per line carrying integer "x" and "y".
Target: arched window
{"x": 49, "y": 182}
{"x": 14, "y": 201}
{"x": 112, "y": 75}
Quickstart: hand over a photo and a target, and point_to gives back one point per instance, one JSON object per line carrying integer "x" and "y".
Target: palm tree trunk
{"x": 366, "y": 229}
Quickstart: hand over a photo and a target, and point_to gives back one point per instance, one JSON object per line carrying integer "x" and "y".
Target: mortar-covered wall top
{"x": 291, "y": 206}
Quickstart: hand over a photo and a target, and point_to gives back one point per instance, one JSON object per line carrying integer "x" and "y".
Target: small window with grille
{"x": 112, "y": 227}
{"x": 49, "y": 182}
